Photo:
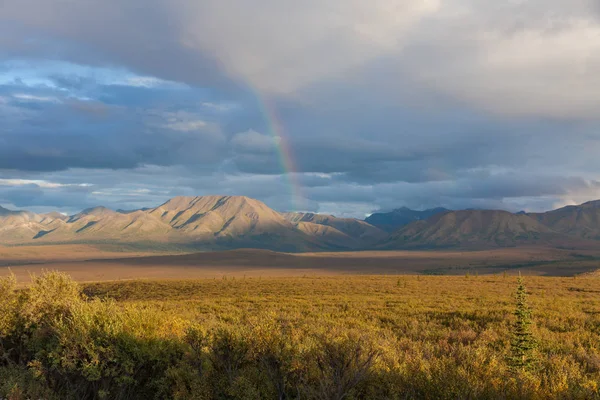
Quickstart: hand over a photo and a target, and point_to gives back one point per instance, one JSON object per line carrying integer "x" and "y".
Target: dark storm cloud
{"x": 379, "y": 104}
{"x": 143, "y": 35}
{"x": 45, "y": 130}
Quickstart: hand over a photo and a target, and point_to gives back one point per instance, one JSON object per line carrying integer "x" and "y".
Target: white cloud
{"x": 33, "y": 98}
{"x": 535, "y": 57}
{"x": 184, "y": 122}
{"x": 385, "y": 92}
{"x": 186, "y": 126}
{"x": 252, "y": 141}
{"x": 547, "y": 65}
{"x": 145, "y": 82}
{"x": 219, "y": 107}
{"x": 281, "y": 46}
{"x": 40, "y": 183}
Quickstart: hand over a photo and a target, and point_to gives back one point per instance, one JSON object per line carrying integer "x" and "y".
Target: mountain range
{"x": 226, "y": 222}
{"x": 391, "y": 221}
{"x": 207, "y": 222}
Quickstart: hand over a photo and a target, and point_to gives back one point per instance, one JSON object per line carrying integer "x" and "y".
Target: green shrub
{"x": 20, "y": 383}
{"x": 308, "y": 338}
{"x": 340, "y": 364}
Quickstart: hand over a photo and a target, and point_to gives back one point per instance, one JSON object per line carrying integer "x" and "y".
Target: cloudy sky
{"x": 336, "y": 106}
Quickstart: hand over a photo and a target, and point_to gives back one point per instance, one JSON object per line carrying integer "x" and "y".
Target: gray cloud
{"x": 46, "y": 130}
{"x": 518, "y": 58}
{"x": 381, "y": 104}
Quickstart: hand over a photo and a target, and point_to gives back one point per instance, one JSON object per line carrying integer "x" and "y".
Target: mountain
{"x": 93, "y": 212}
{"x": 229, "y": 222}
{"x": 22, "y": 226}
{"x": 472, "y": 228}
{"x": 55, "y": 215}
{"x": 333, "y": 229}
{"x": 393, "y": 220}
{"x": 582, "y": 221}
{"x": 207, "y": 222}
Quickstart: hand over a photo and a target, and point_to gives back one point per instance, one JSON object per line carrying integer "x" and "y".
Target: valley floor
{"x": 88, "y": 263}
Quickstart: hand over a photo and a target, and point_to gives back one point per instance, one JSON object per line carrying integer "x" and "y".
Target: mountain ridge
{"x": 230, "y": 222}
{"x": 399, "y": 217}
{"x": 582, "y": 221}
{"x": 472, "y": 228}
{"x": 205, "y": 222}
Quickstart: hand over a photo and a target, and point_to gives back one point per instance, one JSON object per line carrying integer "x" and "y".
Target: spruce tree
{"x": 522, "y": 343}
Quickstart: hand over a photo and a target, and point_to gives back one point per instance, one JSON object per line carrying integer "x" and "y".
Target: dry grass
{"x": 355, "y": 337}
{"x": 88, "y": 263}
{"x": 57, "y": 253}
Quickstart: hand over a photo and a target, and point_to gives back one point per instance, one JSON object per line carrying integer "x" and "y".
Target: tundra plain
{"x": 89, "y": 263}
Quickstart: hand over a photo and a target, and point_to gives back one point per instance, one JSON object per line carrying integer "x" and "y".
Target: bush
{"x": 290, "y": 339}
{"x": 340, "y": 365}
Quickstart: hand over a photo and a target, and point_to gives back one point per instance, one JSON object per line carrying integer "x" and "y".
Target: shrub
{"x": 435, "y": 338}
{"x": 341, "y": 364}
{"x": 8, "y": 316}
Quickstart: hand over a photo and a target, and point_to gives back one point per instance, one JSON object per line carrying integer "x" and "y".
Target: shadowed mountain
{"x": 130, "y": 211}
{"x": 395, "y": 219}
{"x": 55, "y": 215}
{"x": 98, "y": 212}
{"x": 229, "y": 222}
{"x": 334, "y": 229}
{"x": 582, "y": 221}
{"x": 22, "y": 226}
{"x": 472, "y": 228}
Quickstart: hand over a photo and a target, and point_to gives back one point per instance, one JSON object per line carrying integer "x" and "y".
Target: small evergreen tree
{"x": 522, "y": 343}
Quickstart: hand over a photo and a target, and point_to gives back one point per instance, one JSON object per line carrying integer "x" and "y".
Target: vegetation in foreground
{"x": 421, "y": 337}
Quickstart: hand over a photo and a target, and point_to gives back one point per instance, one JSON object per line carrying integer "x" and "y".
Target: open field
{"x": 255, "y": 324}
{"x": 40, "y": 254}
{"x": 89, "y": 263}
{"x": 354, "y": 337}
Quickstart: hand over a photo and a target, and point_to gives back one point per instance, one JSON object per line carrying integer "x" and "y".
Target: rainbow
{"x": 284, "y": 151}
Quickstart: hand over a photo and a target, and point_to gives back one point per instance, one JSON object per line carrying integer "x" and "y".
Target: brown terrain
{"x": 231, "y": 222}
{"x": 193, "y": 223}
{"x": 474, "y": 228}
{"x": 86, "y": 263}
{"x": 186, "y": 236}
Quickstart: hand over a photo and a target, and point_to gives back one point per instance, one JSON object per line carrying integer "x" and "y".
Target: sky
{"x": 341, "y": 106}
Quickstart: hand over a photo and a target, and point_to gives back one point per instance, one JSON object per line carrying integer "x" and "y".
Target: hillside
{"x": 582, "y": 221}
{"x": 206, "y": 222}
{"x": 472, "y": 228}
{"x": 22, "y": 226}
{"x": 231, "y": 222}
{"x": 395, "y": 219}
{"x": 358, "y": 231}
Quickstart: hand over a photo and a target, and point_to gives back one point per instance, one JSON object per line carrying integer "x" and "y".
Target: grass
{"x": 86, "y": 263}
{"x": 352, "y": 337}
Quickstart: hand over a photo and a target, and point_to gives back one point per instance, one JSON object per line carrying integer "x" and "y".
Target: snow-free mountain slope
{"x": 395, "y": 219}
{"x": 472, "y": 228}
{"x": 228, "y": 222}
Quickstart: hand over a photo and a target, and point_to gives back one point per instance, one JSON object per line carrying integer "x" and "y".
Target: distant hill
{"x": 233, "y": 222}
{"x": 357, "y": 231}
{"x": 23, "y": 226}
{"x": 206, "y": 222}
{"x": 472, "y": 228}
{"x": 582, "y": 221}
{"x": 393, "y": 220}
